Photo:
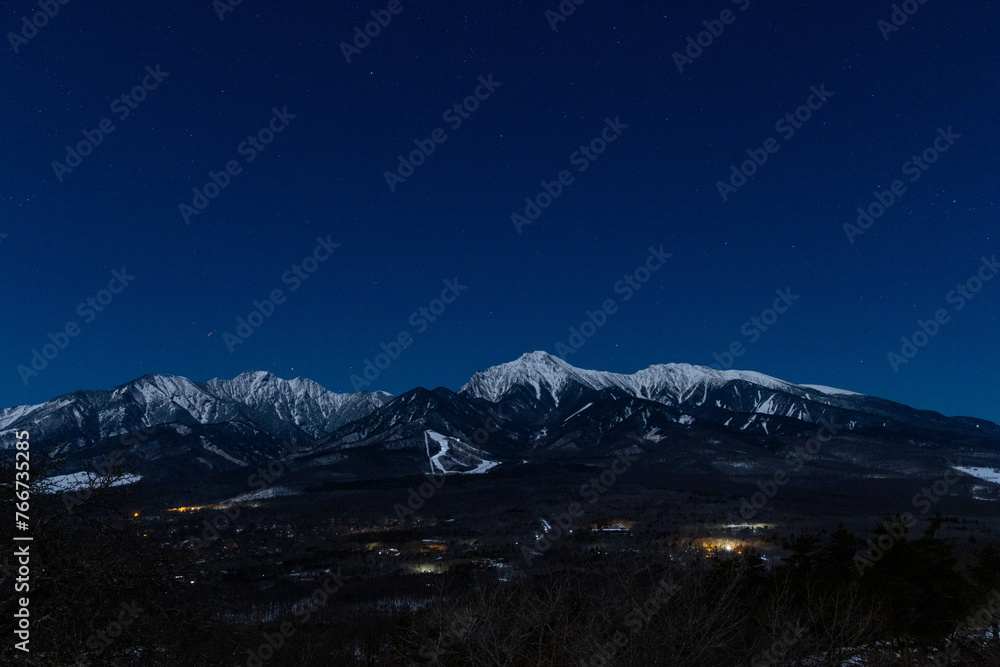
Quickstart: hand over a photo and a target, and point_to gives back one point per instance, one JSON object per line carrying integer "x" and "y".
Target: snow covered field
{"x": 81, "y": 480}
{"x": 988, "y": 474}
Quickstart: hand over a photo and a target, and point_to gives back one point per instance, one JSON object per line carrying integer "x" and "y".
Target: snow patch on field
{"x": 988, "y": 474}
{"x": 82, "y": 480}
{"x": 271, "y": 492}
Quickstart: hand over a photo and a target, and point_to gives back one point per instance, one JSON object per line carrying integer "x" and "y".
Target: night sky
{"x": 593, "y": 121}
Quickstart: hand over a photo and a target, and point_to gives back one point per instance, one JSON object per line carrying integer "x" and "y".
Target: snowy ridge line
{"x": 679, "y": 382}
{"x": 159, "y": 399}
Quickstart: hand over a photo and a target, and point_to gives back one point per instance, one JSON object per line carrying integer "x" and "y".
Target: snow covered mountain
{"x": 241, "y": 419}
{"x": 550, "y": 377}
{"x": 546, "y": 381}
{"x": 537, "y": 409}
{"x": 302, "y": 402}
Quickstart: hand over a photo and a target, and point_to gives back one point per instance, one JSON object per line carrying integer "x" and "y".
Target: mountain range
{"x": 535, "y": 410}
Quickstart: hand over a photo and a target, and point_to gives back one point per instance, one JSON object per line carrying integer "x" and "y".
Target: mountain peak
{"x": 539, "y": 360}
{"x": 541, "y": 356}
{"x": 255, "y": 377}
{"x": 543, "y": 372}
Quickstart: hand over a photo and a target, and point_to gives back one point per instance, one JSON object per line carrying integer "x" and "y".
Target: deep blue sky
{"x": 655, "y": 185}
